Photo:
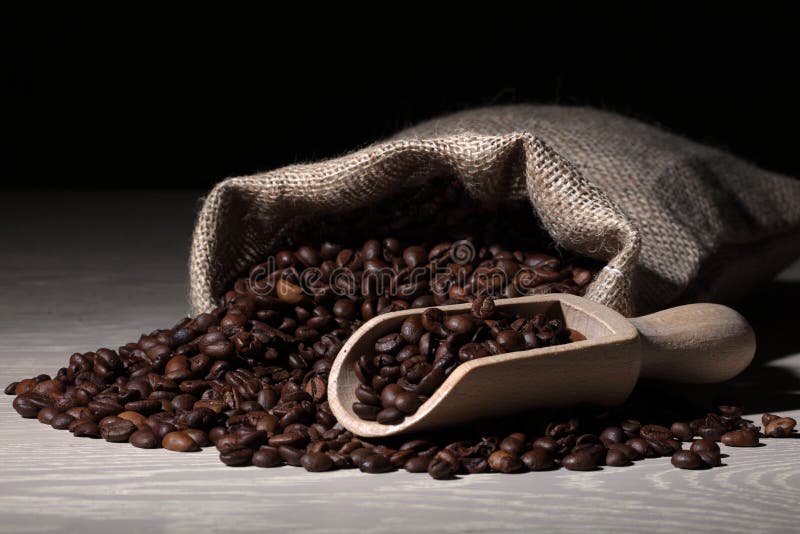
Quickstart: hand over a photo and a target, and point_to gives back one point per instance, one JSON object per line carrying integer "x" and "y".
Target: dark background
{"x": 156, "y": 100}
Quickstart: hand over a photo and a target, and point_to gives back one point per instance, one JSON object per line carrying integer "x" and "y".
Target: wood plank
{"x": 95, "y": 270}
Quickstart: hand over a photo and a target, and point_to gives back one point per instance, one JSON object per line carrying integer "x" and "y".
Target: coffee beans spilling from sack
{"x": 250, "y": 377}
{"x": 410, "y": 364}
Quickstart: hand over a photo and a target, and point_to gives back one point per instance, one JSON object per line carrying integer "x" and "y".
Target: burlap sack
{"x": 673, "y": 220}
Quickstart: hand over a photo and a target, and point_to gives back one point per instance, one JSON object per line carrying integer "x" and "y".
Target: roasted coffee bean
{"x": 86, "y": 429}
{"x": 81, "y": 413}
{"x": 375, "y": 463}
{"x": 444, "y": 465}
{"x": 432, "y": 320}
{"x": 399, "y": 458}
{"x": 201, "y": 417}
{"x": 390, "y": 416}
{"x": 459, "y": 324}
{"x": 227, "y": 442}
{"x": 407, "y": 402}
{"x": 414, "y": 256}
{"x": 627, "y": 450}
{"x": 417, "y": 445}
{"x": 290, "y": 455}
{"x": 389, "y": 344}
{"x": 144, "y": 407}
{"x": 780, "y": 427}
{"x": 199, "y": 436}
{"x": 179, "y": 441}
{"x": 389, "y": 395}
{"x": 504, "y": 462}
{"x": 340, "y": 460}
{"x": 292, "y": 439}
{"x": 46, "y": 414}
{"x": 474, "y": 464}
{"x": 417, "y": 464}
{"x": 580, "y": 461}
{"x": 704, "y": 444}
{"x": 538, "y": 459}
{"x": 11, "y": 388}
{"x": 510, "y": 340}
{"x": 597, "y": 450}
{"x": 308, "y": 256}
{"x": 513, "y": 444}
{"x": 117, "y": 431}
{"x": 473, "y": 351}
{"x": 183, "y": 402}
{"x": 61, "y": 421}
{"x": 616, "y": 458}
{"x": 412, "y": 330}
{"x": 238, "y": 457}
{"x": 631, "y": 427}
{"x": 48, "y": 388}
{"x": 655, "y": 433}
{"x": 365, "y": 411}
{"x": 547, "y": 443}
{"x": 161, "y": 429}
{"x": 144, "y": 439}
{"x": 360, "y": 454}
{"x": 740, "y": 438}
{"x": 28, "y": 404}
{"x": 267, "y": 398}
{"x": 483, "y": 307}
{"x": 217, "y": 432}
{"x": 344, "y": 309}
{"x": 687, "y": 460}
{"x": 366, "y": 395}
{"x": 663, "y": 448}
{"x": 613, "y": 434}
{"x": 316, "y": 462}
{"x": 266, "y": 457}
{"x": 767, "y": 417}
{"x": 379, "y": 382}
{"x": 682, "y": 431}
{"x": 708, "y": 450}
{"x": 317, "y": 389}
{"x": 25, "y": 386}
{"x": 431, "y": 381}
{"x": 710, "y": 458}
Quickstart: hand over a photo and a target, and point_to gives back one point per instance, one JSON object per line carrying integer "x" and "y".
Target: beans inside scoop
{"x": 410, "y": 364}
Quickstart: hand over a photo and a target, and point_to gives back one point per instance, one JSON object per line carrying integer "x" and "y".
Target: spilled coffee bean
{"x": 180, "y": 442}
{"x": 687, "y": 460}
{"x": 740, "y": 438}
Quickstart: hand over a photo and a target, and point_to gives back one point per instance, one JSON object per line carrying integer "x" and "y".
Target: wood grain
{"x": 84, "y": 276}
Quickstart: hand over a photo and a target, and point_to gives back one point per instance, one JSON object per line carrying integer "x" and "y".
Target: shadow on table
{"x": 765, "y": 386}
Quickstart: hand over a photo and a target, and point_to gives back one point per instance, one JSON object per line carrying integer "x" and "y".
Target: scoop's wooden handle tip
{"x": 697, "y": 343}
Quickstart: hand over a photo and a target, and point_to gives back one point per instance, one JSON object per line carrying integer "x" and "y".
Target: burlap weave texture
{"x": 656, "y": 207}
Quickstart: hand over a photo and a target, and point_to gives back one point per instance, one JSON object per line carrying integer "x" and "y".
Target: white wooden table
{"x": 84, "y": 270}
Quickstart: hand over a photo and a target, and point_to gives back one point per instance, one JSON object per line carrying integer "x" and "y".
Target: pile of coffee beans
{"x": 250, "y": 377}
{"x": 410, "y": 364}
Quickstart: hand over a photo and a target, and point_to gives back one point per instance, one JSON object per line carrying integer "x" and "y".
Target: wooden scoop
{"x": 698, "y": 343}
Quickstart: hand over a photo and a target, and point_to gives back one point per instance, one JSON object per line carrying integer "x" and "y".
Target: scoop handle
{"x": 695, "y": 344}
